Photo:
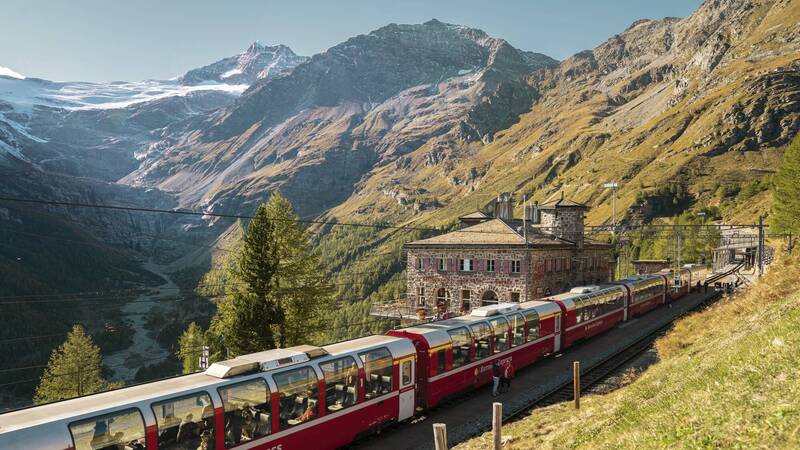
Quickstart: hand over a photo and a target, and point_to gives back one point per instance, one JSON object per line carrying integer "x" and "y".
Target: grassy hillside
{"x": 731, "y": 385}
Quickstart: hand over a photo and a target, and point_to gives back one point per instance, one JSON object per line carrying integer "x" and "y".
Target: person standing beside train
{"x": 495, "y": 377}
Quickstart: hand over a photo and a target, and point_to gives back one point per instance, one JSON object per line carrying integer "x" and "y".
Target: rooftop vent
{"x": 584, "y": 289}
{"x": 263, "y": 361}
{"x": 493, "y": 310}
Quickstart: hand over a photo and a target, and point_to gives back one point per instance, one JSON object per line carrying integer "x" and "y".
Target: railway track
{"x": 602, "y": 370}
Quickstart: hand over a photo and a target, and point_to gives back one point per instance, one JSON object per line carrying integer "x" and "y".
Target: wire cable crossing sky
{"x": 93, "y": 40}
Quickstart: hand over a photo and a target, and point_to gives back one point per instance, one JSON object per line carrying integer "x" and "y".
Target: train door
{"x": 557, "y": 333}
{"x": 407, "y": 394}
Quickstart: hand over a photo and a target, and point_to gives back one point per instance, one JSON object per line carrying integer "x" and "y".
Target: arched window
{"x": 489, "y": 298}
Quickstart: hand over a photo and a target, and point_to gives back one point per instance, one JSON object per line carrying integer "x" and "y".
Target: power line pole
{"x": 760, "y": 252}
{"x": 525, "y": 236}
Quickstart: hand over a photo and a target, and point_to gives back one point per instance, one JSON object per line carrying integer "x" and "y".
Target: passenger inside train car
{"x": 483, "y": 338}
{"x": 378, "y": 372}
{"x": 122, "y": 430}
{"x": 517, "y": 329}
{"x": 299, "y": 392}
{"x": 247, "y": 411}
{"x": 532, "y": 324}
{"x": 462, "y": 344}
{"x": 500, "y": 327}
{"x": 182, "y": 421}
{"x": 341, "y": 383}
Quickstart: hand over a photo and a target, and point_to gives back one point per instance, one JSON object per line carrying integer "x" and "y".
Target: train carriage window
{"x": 532, "y": 325}
{"x": 405, "y": 373}
{"x": 483, "y": 338}
{"x": 185, "y": 422}
{"x": 378, "y": 372}
{"x": 247, "y": 411}
{"x": 518, "y": 329}
{"x": 441, "y": 361}
{"x": 299, "y": 396}
{"x": 341, "y": 383}
{"x": 500, "y": 327}
{"x": 462, "y": 344}
{"x": 119, "y": 430}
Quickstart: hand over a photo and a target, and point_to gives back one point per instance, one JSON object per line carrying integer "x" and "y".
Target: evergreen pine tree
{"x": 786, "y": 192}
{"x": 277, "y": 291}
{"x": 303, "y": 291}
{"x": 248, "y": 311}
{"x": 191, "y": 347}
{"x": 74, "y": 369}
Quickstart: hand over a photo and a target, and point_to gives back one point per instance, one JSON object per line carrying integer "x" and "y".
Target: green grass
{"x": 727, "y": 378}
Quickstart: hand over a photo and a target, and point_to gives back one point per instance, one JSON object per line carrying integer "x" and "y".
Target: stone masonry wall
{"x": 550, "y": 271}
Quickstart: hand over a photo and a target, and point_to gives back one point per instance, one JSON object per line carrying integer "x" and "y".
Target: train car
{"x": 457, "y": 354}
{"x": 299, "y": 397}
{"x": 687, "y": 279}
{"x": 590, "y": 310}
{"x": 645, "y": 292}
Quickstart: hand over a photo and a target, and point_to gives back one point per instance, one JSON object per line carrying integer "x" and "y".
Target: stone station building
{"x": 499, "y": 258}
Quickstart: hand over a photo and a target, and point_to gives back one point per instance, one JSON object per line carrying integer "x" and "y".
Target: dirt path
{"x": 145, "y": 348}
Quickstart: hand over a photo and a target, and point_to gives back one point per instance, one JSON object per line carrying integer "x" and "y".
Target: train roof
{"x": 399, "y": 347}
{"x": 435, "y": 333}
{"x": 97, "y": 404}
{"x": 220, "y": 373}
{"x": 576, "y": 294}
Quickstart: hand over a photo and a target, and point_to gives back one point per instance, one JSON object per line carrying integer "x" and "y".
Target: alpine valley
{"x": 407, "y": 125}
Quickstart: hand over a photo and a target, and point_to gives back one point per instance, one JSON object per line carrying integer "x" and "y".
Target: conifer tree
{"x": 248, "y": 312}
{"x": 302, "y": 287}
{"x": 786, "y": 192}
{"x": 191, "y": 348}
{"x": 277, "y": 290}
{"x": 74, "y": 369}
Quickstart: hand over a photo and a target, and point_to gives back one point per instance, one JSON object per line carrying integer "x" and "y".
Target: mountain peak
{"x": 257, "y": 62}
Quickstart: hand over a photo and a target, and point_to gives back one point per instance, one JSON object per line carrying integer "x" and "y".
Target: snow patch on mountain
{"x": 26, "y": 94}
{"x": 5, "y": 71}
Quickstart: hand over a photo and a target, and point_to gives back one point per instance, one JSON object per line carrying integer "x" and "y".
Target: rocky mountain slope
{"x": 680, "y": 112}
{"x": 704, "y": 101}
{"x": 359, "y": 106}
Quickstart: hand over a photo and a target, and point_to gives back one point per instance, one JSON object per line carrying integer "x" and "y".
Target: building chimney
{"x": 532, "y": 214}
{"x": 504, "y": 207}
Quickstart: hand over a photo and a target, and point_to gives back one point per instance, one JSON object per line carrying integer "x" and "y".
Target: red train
{"x": 325, "y": 397}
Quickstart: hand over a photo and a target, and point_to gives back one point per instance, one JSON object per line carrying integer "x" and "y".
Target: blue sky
{"x": 102, "y": 40}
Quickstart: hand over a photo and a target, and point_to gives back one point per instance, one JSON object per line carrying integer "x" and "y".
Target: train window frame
{"x": 406, "y": 378}
{"x": 346, "y": 389}
{"x": 95, "y": 419}
{"x": 287, "y": 424}
{"x": 192, "y": 395}
{"x": 381, "y": 380}
{"x": 503, "y": 333}
{"x": 535, "y": 314}
{"x": 519, "y": 327}
{"x": 270, "y": 418}
{"x": 457, "y": 362}
{"x": 487, "y": 334}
